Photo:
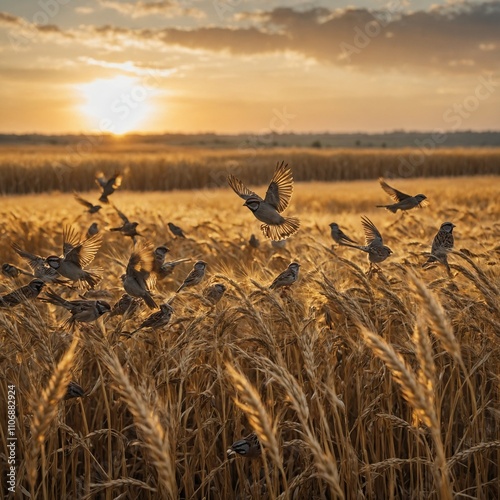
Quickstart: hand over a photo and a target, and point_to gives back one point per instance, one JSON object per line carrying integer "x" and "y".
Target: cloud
{"x": 142, "y": 8}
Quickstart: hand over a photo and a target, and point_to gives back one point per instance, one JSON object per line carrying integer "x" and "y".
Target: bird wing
{"x": 396, "y": 195}
{"x": 100, "y": 180}
{"x": 34, "y": 261}
{"x": 141, "y": 260}
{"x": 83, "y": 254}
{"x": 123, "y": 217}
{"x": 116, "y": 181}
{"x": 372, "y": 234}
{"x": 83, "y": 202}
{"x": 280, "y": 189}
{"x": 71, "y": 239}
{"x": 239, "y": 188}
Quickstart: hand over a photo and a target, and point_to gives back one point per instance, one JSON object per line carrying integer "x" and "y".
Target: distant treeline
{"x": 69, "y": 169}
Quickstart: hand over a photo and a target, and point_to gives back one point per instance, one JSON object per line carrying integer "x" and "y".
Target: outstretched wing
{"x": 123, "y": 217}
{"x": 84, "y": 253}
{"x": 239, "y": 188}
{"x": 83, "y": 202}
{"x": 141, "y": 260}
{"x": 393, "y": 193}
{"x": 116, "y": 180}
{"x": 34, "y": 261}
{"x": 280, "y": 190}
{"x": 372, "y": 234}
{"x": 71, "y": 239}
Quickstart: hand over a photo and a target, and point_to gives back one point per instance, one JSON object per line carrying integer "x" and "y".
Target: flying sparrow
{"x": 23, "y": 294}
{"x": 195, "y": 276}
{"x": 12, "y": 271}
{"x": 268, "y": 210}
{"x": 92, "y": 230}
{"x": 125, "y": 304}
{"x": 138, "y": 280}
{"x": 108, "y": 186}
{"x": 127, "y": 228}
{"x": 374, "y": 244}
{"x": 157, "y": 319}
{"x": 403, "y": 201}
{"x": 214, "y": 292}
{"x": 248, "y": 447}
{"x": 76, "y": 255}
{"x": 39, "y": 266}
{"x": 176, "y": 230}
{"x": 442, "y": 245}
{"x": 167, "y": 268}
{"x": 91, "y": 209}
{"x": 288, "y": 277}
{"x": 338, "y": 235}
{"x": 254, "y": 242}
{"x": 84, "y": 311}
{"x": 74, "y": 391}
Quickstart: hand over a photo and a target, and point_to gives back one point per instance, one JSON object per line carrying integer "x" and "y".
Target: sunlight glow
{"x": 117, "y": 105}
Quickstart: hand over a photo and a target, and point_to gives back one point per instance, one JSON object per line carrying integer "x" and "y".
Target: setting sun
{"x": 117, "y": 105}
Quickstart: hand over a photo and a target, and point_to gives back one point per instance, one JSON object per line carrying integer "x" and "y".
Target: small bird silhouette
{"x": 23, "y": 294}
{"x": 91, "y": 209}
{"x": 288, "y": 277}
{"x": 176, "y": 230}
{"x": 127, "y": 228}
{"x": 338, "y": 235}
{"x": 403, "y": 201}
{"x": 108, "y": 186}
{"x": 195, "y": 276}
{"x": 442, "y": 245}
{"x": 248, "y": 447}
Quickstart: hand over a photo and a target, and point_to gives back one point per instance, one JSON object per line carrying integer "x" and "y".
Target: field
{"x": 380, "y": 387}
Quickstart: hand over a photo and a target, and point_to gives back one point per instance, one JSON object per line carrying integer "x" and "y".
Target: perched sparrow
{"x": 248, "y": 447}
{"x": 91, "y": 209}
{"x": 167, "y": 268}
{"x": 137, "y": 280}
{"x": 403, "y": 201}
{"x": 159, "y": 257}
{"x": 125, "y": 304}
{"x": 76, "y": 255}
{"x": 442, "y": 244}
{"x": 374, "y": 244}
{"x": 176, "y": 230}
{"x": 279, "y": 192}
{"x": 92, "y": 230}
{"x": 288, "y": 277}
{"x": 195, "y": 276}
{"x": 108, "y": 186}
{"x": 338, "y": 235}
{"x": 12, "y": 271}
{"x": 23, "y": 294}
{"x": 74, "y": 391}
{"x": 127, "y": 228}
{"x": 84, "y": 311}
{"x": 157, "y": 319}
{"x": 254, "y": 242}
{"x": 39, "y": 266}
{"x": 214, "y": 292}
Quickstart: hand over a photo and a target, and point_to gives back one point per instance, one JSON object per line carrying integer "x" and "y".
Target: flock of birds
{"x": 147, "y": 264}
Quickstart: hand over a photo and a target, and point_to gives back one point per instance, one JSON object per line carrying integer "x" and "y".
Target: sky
{"x": 259, "y": 66}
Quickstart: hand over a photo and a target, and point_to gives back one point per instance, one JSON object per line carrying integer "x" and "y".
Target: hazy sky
{"x": 248, "y": 65}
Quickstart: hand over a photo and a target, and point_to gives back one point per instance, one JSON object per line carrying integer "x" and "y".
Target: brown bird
{"x": 442, "y": 245}
{"x": 157, "y": 319}
{"x": 91, "y": 209}
{"x": 12, "y": 271}
{"x": 214, "y": 292}
{"x": 176, "y": 230}
{"x": 403, "y": 201}
{"x": 195, "y": 276}
{"x": 248, "y": 447}
{"x": 74, "y": 391}
{"x": 108, "y": 186}
{"x": 127, "y": 228}
{"x": 338, "y": 235}
{"x": 125, "y": 304}
{"x": 23, "y": 294}
{"x": 288, "y": 277}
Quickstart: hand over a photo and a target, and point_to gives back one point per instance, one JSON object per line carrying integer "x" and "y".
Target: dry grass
{"x": 380, "y": 387}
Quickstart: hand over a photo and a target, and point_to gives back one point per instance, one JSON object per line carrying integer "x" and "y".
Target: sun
{"x": 117, "y": 105}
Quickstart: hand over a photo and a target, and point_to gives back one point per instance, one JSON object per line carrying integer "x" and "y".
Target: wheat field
{"x": 379, "y": 387}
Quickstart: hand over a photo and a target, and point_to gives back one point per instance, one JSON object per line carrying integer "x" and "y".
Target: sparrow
{"x": 374, "y": 244}
{"x": 92, "y": 230}
{"x": 157, "y": 319}
{"x": 127, "y": 228}
{"x": 76, "y": 255}
{"x": 167, "y": 268}
{"x": 91, "y": 209}
{"x": 442, "y": 244}
{"x": 125, "y": 304}
{"x": 12, "y": 271}
{"x": 338, "y": 235}
{"x": 195, "y": 276}
{"x": 278, "y": 244}
{"x": 268, "y": 210}
{"x": 403, "y": 201}
{"x": 108, "y": 186}
{"x": 138, "y": 280}
{"x": 83, "y": 311}
{"x": 287, "y": 278}
{"x": 214, "y": 292}
{"x": 159, "y": 254}
{"x": 23, "y": 294}
{"x": 176, "y": 230}
{"x": 254, "y": 242}
{"x": 248, "y": 447}
{"x": 74, "y": 391}
{"x": 39, "y": 266}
